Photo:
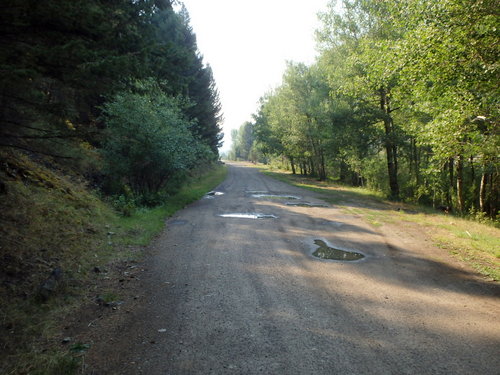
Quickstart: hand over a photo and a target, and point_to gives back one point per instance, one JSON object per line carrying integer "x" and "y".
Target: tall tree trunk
{"x": 451, "y": 186}
{"x": 475, "y": 197}
{"x": 472, "y": 169}
{"x": 395, "y": 158}
{"x": 412, "y": 157}
{"x": 316, "y": 159}
{"x": 343, "y": 171}
{"x": 493, "y": 194}
{"x": 417, "y": 163}
{"x": 322, "y": 168}
{"x": 312, "y": 167}
{"x": 483, "y": 187}
{"x": 392, "y": 170}
{"x": 292, "y": 164}
{"x": 390, "y": 147}
{"x": 460, "y": 184}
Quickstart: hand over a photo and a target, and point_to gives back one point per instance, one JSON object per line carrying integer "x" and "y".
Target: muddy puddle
{"x": 249, "y": 216}
{"x": 330, "y": 253}
{"x": 305, "y": 204}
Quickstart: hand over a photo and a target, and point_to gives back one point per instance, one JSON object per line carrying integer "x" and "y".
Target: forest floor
{"x": 243, "y": 293}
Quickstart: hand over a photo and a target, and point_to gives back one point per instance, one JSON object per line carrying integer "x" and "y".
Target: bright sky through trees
{"x": 247, "y": 43}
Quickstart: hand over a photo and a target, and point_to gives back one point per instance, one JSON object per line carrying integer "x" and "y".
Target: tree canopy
{"x": 73, "y": 87}
{"x": 402, "y": 98}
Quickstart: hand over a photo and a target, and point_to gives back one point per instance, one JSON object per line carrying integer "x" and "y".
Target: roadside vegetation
{"x": 55, "y": 244}
{"x": 402, "y": 99}
{"x": 399, "y": 109}
{"x": 474, "y": 241}
{"x": 144, "y": 223}
{"x": 110, "y": 122}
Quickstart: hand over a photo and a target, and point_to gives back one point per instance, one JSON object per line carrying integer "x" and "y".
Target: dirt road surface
{"x": 245, "y": 296}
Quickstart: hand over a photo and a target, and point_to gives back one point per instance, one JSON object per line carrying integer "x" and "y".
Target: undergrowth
{"x": 144, "y": 223}
{"x": 51, "y": 224}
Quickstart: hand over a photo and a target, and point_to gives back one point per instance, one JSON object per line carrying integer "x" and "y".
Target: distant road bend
{"x": 244, "y": 295}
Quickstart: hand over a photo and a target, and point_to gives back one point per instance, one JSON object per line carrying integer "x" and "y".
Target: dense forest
{"x": 108, "y": 113}
{"x": 403, "y": 98}
{"x": 114, "y": 91}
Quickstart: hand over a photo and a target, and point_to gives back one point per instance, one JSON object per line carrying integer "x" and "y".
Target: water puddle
{"x": 249, "y": 216}
{"x": 178, "y": 222}
{"x": 250, "y": 192}
{"x": 326, "y": 252}
{"x": 273, "y": 196}
{"x": 212, "y": 194}
{"x": 305, "y": 204}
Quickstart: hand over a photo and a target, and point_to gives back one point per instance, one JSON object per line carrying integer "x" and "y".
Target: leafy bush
{"x": 124, "y": 205}
{"x": 148, "y": 142}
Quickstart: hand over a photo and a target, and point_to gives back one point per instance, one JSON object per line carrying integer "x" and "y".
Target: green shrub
{"x": 148, "y": 142}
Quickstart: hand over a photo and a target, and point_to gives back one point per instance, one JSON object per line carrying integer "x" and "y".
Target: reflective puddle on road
{"x": 178, "y": 222}
{"x": 326, "y": 252}
{"x": 250, "y": 192}
{"x": 212, "y": 194}
{"x": 249, "y": 216}
{"x": 273, "y": 196}
{"x": 305, "y": 204}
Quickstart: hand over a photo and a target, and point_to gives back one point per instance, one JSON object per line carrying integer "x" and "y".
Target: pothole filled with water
{"x": 178, "y": 222}
{"x": 249, "y": 216}
{"x": 274, "y": 196}
{"x": 212, "y": 194}
{"x": 250, "y": 192}
{"x": 330, "y": 253}
{"x": 305, "y": 204}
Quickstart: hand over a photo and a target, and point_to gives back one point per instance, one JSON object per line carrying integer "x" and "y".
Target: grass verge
{"x": 145, "y": 223}
{"x": 50, "y": 222}
{"x": 476, "y": 244}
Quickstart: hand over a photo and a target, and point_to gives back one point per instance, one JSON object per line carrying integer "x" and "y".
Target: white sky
{"x": 247, "y": 43}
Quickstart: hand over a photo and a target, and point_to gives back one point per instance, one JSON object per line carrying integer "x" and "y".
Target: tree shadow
{"x": 407, "y": 267}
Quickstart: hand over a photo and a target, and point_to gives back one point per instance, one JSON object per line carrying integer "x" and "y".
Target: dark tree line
{"x": 67, "y": 66}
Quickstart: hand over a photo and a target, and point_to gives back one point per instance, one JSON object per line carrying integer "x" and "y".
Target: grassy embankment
{"x": 144, "y": 224}
{"x": 475, "y": 243}
{"x": 52, "y": 225}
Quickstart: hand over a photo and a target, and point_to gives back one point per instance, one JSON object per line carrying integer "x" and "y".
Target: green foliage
{"x": 124, "y": 205}
{"x": 148, "y": 141}
{"x": 61, "y": 58}
{"x": 144, "y": 223}
{"x": 244, "y": 146}
{"x": 403, "y": 99}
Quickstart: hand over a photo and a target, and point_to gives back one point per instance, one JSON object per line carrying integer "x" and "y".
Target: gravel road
{"x": 245, "y": 296}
